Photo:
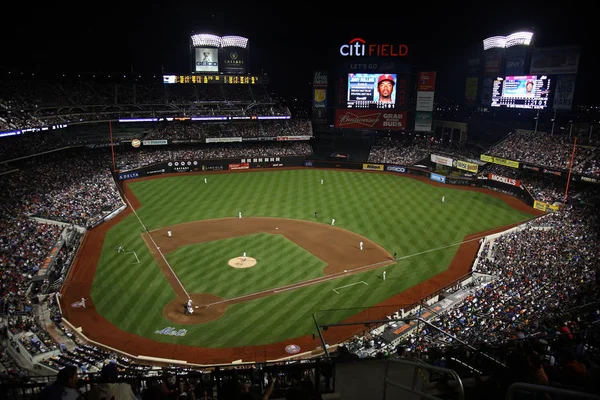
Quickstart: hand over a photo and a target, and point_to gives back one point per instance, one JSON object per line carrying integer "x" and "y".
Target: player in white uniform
{"x": 205, "y": 181}
{"x": 321, "y": 181}
{"x": 384, "y": 273}
{"x": 240, "y": 214}
{"x": 361, "y": 246}
{"x": 83, "y": 302}
{"x": 169, "y": 233}
{"x": 189, "y": 303}
{"x": 443, "y": 199}
{"x": 244, "y": 257}
{"x": 333, "y": 221}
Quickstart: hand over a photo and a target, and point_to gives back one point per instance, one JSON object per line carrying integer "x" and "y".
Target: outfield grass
{"x": 400, "y": 214}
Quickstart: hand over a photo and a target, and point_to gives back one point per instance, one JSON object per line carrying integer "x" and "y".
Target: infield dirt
{"x": 96, "y": 327}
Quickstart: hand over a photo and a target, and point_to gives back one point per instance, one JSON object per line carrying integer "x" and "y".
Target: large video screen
{"x": 371, "y": 91}
{"x": 206, "y": 59}
{"x": 530, "y": 91}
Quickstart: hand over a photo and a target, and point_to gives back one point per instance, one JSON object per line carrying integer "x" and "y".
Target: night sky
{"x": 287, "y": 40}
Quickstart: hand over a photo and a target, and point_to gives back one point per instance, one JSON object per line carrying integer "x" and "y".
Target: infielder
{"x": 443, "y": 199}
{"x": 205, "y": 181}
{"x": 333, "y": 221}
{"x": 361, "y": 246}
{"x": 244, "y": 257}
{"x": 121, "y": 248}
{"x": 240, "y": 214}
{"x": 384, "y": 273}
{"x": 169, "y": 233}
{"x": 83, "y": 302}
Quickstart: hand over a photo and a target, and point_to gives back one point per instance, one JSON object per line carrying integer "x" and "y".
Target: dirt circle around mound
{"x": 204, "y": 309}
{"x": 242, "y": 262}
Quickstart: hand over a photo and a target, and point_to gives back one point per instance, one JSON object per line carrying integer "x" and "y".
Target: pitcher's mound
{"x": 239, "y": 262}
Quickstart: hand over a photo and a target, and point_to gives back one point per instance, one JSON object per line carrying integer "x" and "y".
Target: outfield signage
{"x": 155, "y": 142}
{"x": 238, "y": 166}
{"x": 128, "y": 175}
{"x": 466, "y": 166}
{"x": 441, "y": 160}
{"x": 503, "y": 179}
{"x": 437, "y": 178}
{"x": 370, "y": 119}
{"x": 500, "y": 161}
{"x": 373, "y": 167}
{"x": 224, "y": 140}
{"x": 293, "y": 138}
{"x": 395, "y": 168}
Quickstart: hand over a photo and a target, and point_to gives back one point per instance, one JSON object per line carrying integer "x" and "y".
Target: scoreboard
{"x": 208, "y": 79}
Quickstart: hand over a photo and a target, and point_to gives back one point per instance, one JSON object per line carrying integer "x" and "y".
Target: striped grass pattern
{"x": 401, "y": 214}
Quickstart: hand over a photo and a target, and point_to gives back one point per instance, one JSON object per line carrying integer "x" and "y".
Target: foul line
{"x": 156, "y": 246}
{"x": 315, "y": 281}
{"x": 352, "y": 284}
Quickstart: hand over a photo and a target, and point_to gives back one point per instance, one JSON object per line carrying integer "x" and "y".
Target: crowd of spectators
{"x": 553, "y": 151}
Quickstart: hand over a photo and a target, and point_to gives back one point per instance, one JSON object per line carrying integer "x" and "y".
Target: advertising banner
{"x": 213, "y": 167}
{"x": 437, "y": 178}
{"x": 425, "y": 101}
{"x": 552, "y": 172}
{"x": 423, "y": 121}
{"x": 466, "y": 166}
{"x": 319, "y": 97}
{"x": 224, "y": 140}
{"x": 154, "y": 142}
{"x": 233, "y": 60}
{"x": 426, "y": 81}
{"x": 238, "y": 166}
{"x": 473, "y": 66}
{"x": 206, "y": 59}
{"x": 370, "y": 119}
{"x": 514, "y": 64}
{"x": 492, "y": 63}
{"x": 441, "y": 160}
{"x": 128, "y": 175}
{"x": 395, "y": 168}
{"x": 320, "y": 78}
{"x": 583, "y": 178}
{"x": 500, "y": 161}
{"x": 471, "y": 91}
{"x": 503, "y": 179}
{"x": 540, "y": 205}
{"x": 373, "y": 167}
{"x": 554, "y": 60}
{"x": 293, "y": 138}
{"x": 563, "y": 94}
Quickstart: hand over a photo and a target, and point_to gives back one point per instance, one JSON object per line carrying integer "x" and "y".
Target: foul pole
{"x": 112, "y": 146}
{"x": 570, "y": 169}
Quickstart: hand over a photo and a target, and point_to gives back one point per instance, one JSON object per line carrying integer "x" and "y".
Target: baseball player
{"x": 321, "y": 181}
{"x": 190, "y": 310}
{"x": 169, "y": 233}
{"x": 332, "y": 221}
{"x": 361, "y": 246}
{"x": 384, "y": 273}
{"x": 315, "y": 215}
{"x": 189, "y": 303}
{"x": 205, "y": 181}
{"x": 83, "y": 302}
{"x": 121, "y": 248}
{"x": 240, "y": 214}
{"x": 443, "y": 199}
{"x": 244, "y": 257}
{"x": 395, "y": 256}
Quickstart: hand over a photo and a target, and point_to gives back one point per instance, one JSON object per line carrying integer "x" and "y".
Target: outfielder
{"x": 361, "y": 246}
{"x": 205, "y": 181}
{"x": 169, "y": 233}
{"x": 240, "y": 214}
{"x": 443, "y": 199}
{"x": 333, "y": 221}
{"x": 321, "y": 181}
{"x": 384, "y": 273}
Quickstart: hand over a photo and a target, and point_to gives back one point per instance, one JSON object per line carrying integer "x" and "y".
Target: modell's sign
{"x": 370, "y": 119}
{"x": 358, "y": 47}
{"x": 503, "y": 179}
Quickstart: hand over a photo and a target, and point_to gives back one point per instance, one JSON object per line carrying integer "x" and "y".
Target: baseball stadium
{"x": 192, "y": 235}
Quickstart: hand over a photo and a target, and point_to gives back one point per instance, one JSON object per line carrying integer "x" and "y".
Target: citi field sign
{"x": 358, "y": 47}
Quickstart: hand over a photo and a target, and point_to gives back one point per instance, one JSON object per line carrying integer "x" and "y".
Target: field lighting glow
{"x": 502, "y": 42}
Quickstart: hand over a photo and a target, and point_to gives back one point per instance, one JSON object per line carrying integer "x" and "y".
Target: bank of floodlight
{"x": 502, "y": 42}
{"x": 234, "y": 41}
{"x": 204, "y": 39}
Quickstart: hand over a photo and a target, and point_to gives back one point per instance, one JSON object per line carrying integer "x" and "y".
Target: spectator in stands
{"x": 110, "y": 388}
{"x": 65, "y": 386}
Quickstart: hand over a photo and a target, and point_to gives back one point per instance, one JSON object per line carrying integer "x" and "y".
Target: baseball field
{"x": 295, "y": 264}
